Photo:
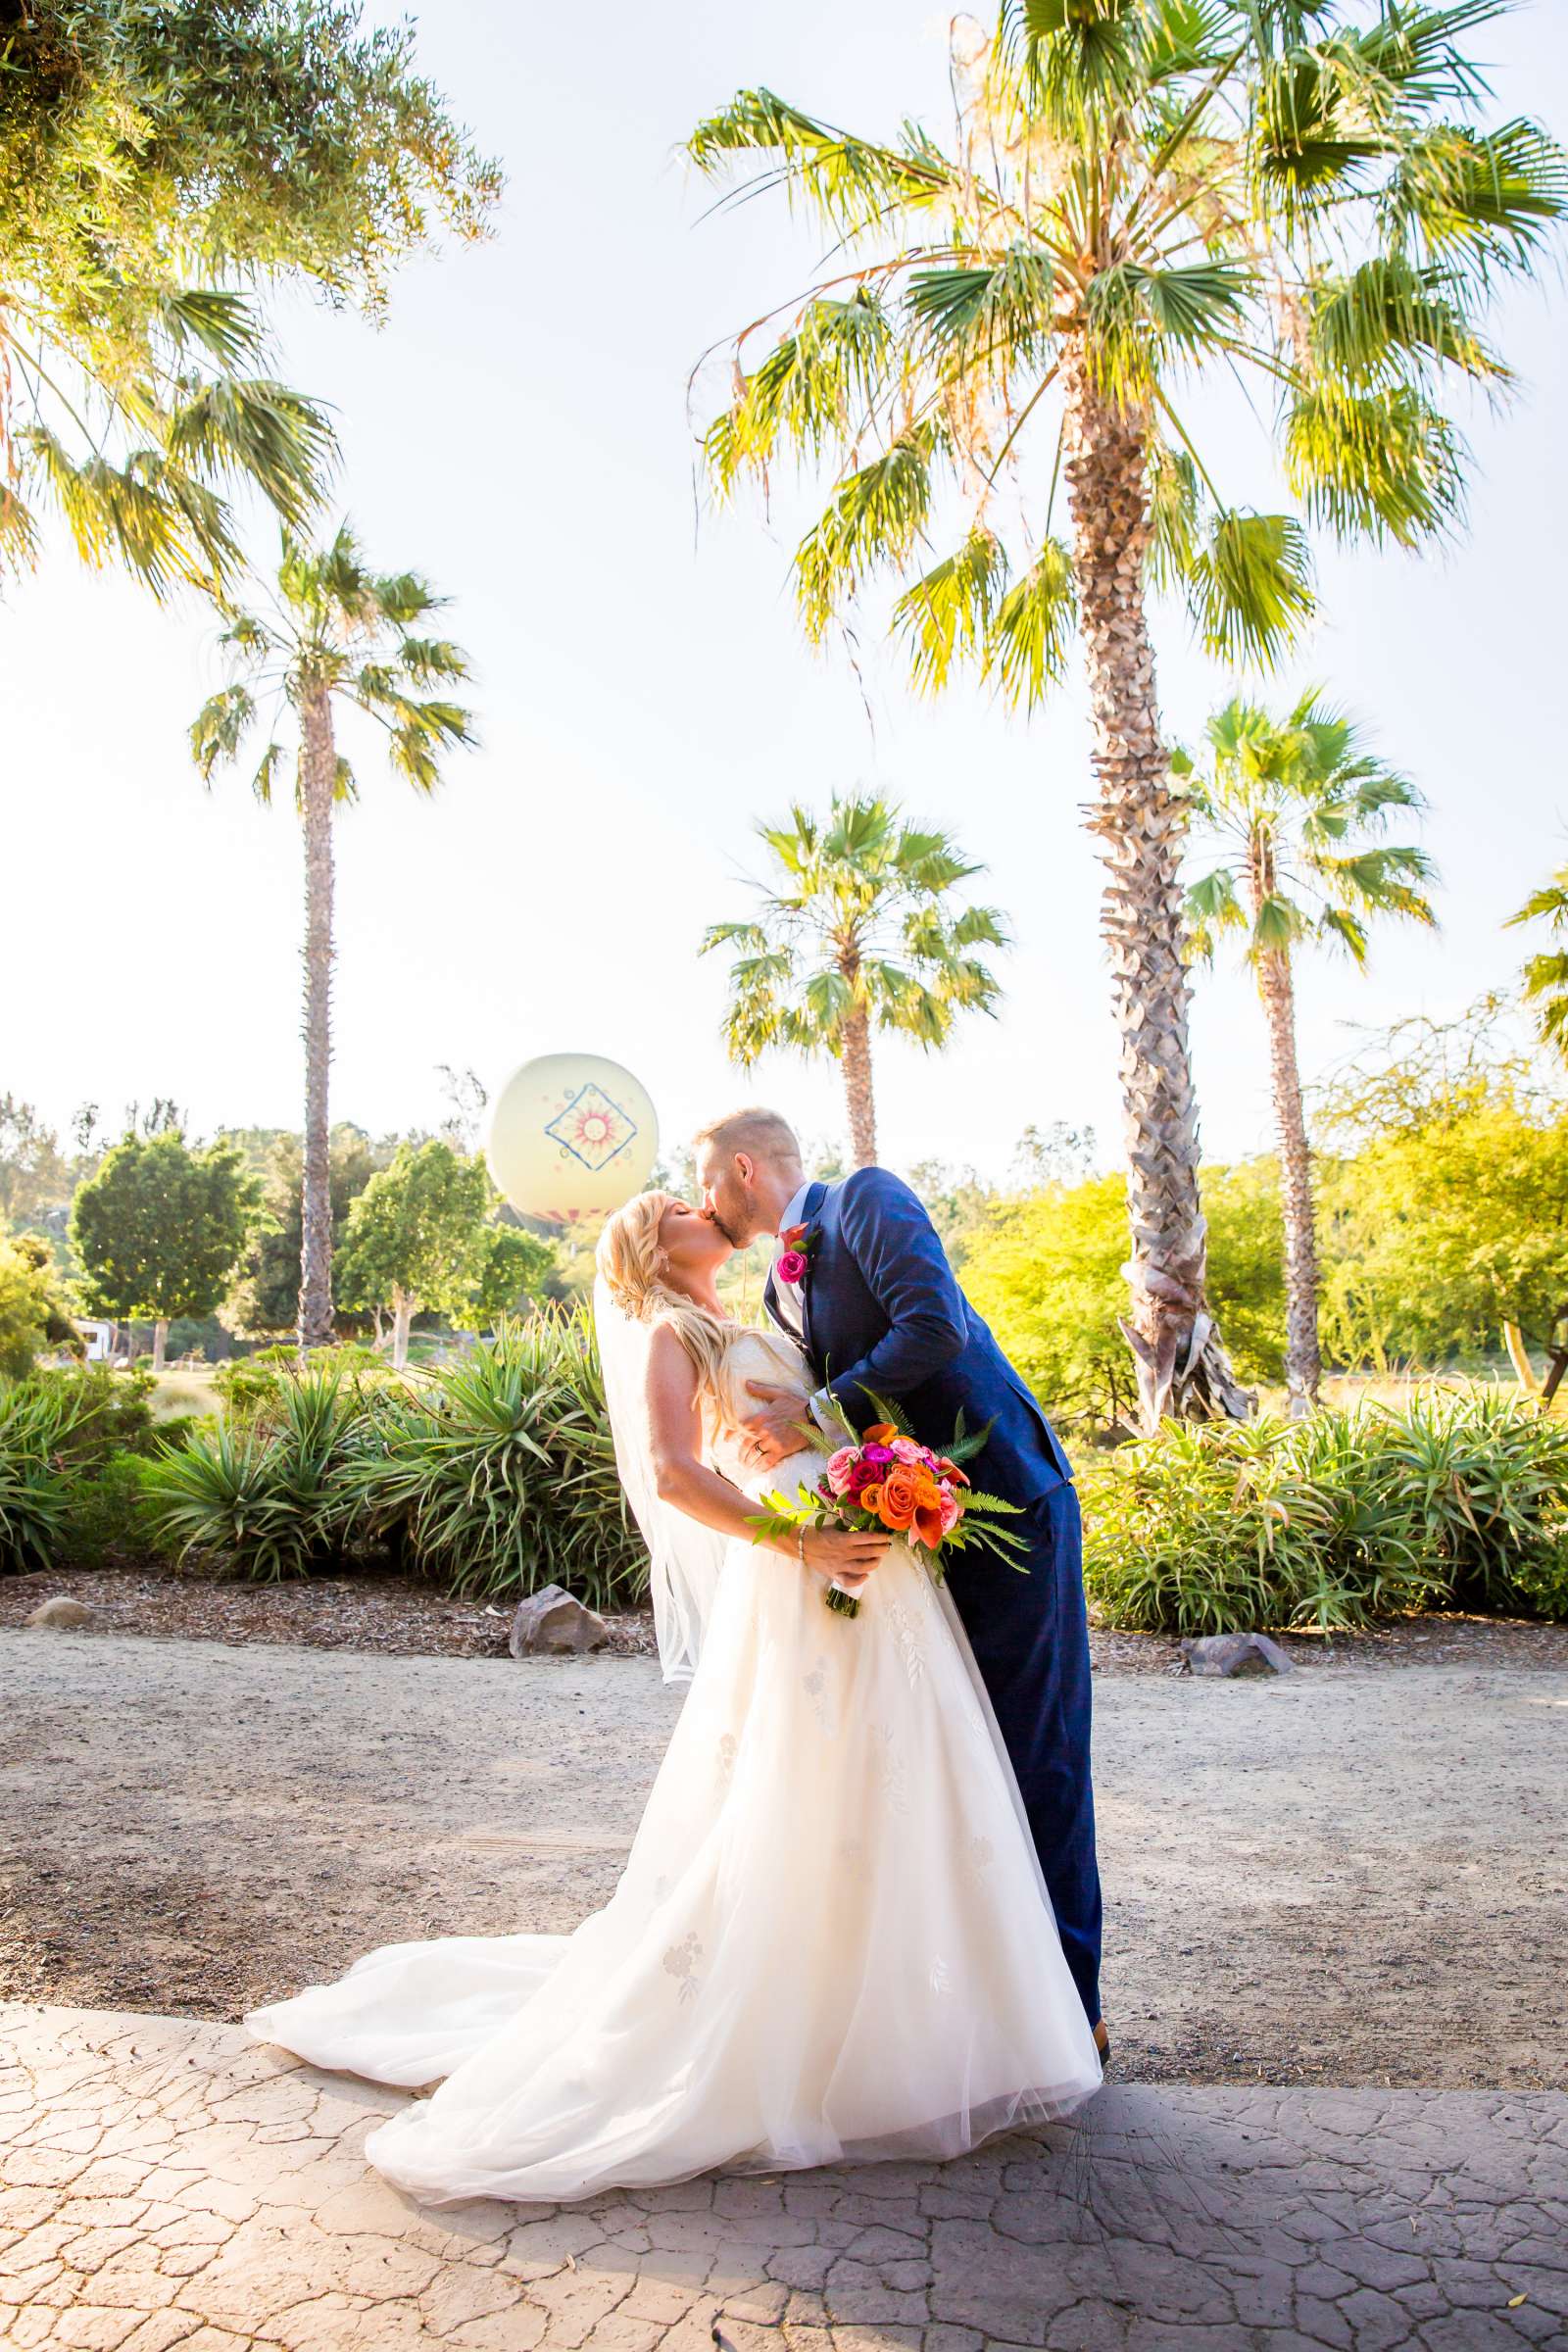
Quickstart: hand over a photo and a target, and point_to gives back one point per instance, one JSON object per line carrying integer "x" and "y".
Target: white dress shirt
{"x": 793, "y": 1315}
{"x": 787, "y": 1293}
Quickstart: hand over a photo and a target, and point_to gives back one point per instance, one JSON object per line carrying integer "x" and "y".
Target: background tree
{"x": 35, "y": 1173}
{"x": 1294, "y": 807}
{"x": 1140, "y": 193}
{"x": 146, "y": 155}
{"x": 420, "y": 1239}
{"x": 857, "y": 933}
{"x": 159, "y": 1229}
{"x": 34, "y": 1313}
{"x": 265, "y": 1298}
{"x": 1046, "y": 1268}
{"x": 335, "y": 632}
{"x": 1445, "y": 1211}
{"x": 1545, "y": 975}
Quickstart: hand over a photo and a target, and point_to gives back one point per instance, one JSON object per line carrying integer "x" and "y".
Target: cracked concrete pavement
{"x": 169, "y": 2183}
{"x": 1343, "y": 1876}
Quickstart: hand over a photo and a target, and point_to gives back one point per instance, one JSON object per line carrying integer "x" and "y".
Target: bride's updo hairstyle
{"x": 635, "y": 1271}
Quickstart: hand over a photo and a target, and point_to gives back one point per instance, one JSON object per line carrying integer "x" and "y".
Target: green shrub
{"x": 108, "y": 1412}
{"x": 248, "y": 1386}
{"x": 497, "y": 1475}
{"x": 1461, "y": 1499}
{"x": 106, "y": 1523}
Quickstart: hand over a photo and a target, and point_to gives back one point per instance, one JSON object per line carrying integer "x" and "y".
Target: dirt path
{"x": 1348, "y": 1876}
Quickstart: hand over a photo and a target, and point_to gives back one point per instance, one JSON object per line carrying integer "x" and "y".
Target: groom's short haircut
{"x": 760, "y": 1134}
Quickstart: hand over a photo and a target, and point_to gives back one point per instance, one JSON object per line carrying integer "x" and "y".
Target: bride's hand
{"x": 844, "y": 1555}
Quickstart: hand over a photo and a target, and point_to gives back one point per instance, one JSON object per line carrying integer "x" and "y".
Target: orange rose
{"x": 897, "y": 1507}
{"x": 870, "y": 1499}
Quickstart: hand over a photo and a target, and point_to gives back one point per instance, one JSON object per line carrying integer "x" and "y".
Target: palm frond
{"x": 849, "y": 183}
{"x": 1366, "y": 327}
{"x": 994, "y": 308}
{"x": 1249, "y": 588}
{"x": 1135, "y": 316}
{"x": 874, "y": 520}
{"x": 252, "y": 427}
{"x": 810, "y": 388}
{"x": 947, "y": 617}
{"x": 1384, "y": 463}
{"x": 220, "y": 728}
{"x": 1028, "y": 646}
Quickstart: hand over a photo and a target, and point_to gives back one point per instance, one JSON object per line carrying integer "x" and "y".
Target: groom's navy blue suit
{"x": 882, "y": 1316}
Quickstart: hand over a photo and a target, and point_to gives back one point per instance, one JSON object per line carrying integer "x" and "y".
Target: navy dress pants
{"x": 1030, "y": 1638}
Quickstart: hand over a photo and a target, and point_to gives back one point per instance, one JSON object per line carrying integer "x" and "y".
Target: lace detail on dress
{"x": 728, "y": 1748}
{"x": 815, "y": 1683}
{"x": 681, "y": 1962}
{"x": 892, "y": 1771}
{"x": 906, "y": 1635}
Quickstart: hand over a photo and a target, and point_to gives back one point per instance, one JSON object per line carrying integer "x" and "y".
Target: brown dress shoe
{"x": 1103, "y": 2044}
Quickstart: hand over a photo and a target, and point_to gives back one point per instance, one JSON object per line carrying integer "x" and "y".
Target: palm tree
{"x": 855, "y": 936}
{"x": 1547, "y": 974}
{"x": 1138, "y": 194}
{"x": 1294, "y": 807}
{"x": 336, "y": 632}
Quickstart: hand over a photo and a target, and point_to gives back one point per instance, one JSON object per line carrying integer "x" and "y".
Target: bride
{"x": 831, "y": 1942}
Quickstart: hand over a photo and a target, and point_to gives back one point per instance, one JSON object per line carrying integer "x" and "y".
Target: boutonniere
{"x": 798, "y": 1248}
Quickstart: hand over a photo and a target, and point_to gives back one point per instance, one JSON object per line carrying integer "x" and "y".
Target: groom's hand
{"x": 779, "y": 1430}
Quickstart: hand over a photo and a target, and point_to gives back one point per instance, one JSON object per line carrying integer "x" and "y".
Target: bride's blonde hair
{"x": 635, "y": 1272}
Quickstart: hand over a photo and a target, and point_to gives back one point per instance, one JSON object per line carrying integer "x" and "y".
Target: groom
{"x": 878, "y": 1313}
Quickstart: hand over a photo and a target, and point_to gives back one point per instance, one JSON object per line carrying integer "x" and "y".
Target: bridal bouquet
{"x": 885, "y": 1479}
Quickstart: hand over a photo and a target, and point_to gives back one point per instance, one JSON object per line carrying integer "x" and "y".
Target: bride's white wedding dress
{"x": 831, "y": 1940}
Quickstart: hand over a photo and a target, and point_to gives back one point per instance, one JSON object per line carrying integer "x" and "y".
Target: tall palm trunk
{"x": 1304, "y": 1361}
{"x": 859, "y": 1090}
{"x": 318, "y": 783}
{"x": 1182, "y": 1364}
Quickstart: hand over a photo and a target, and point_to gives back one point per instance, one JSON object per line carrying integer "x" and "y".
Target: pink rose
{"x": 791, "y": 1266}
{"x": 951, "y": 1510}
{"x": 840, "y": 1469}
{"x": 880, "y": 1455}
{"x": 905, "y": 1449}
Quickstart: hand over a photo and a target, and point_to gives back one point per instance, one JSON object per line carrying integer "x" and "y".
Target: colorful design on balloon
{"x": 592, "y": 1128}
{"x": 571, "y": 1135}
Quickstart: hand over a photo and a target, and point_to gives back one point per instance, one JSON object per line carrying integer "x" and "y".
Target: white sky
{"x": 518, "y": 431}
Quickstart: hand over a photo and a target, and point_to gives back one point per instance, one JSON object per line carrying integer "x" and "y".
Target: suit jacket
{"x": 883, "y": 1316}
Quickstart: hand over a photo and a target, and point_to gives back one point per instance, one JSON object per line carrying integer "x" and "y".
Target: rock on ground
{"x": 61, "y": 1611}
{"x": 553, "y": 1622}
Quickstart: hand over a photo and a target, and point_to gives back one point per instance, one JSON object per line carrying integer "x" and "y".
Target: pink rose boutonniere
{"x": 793, "y": 1261}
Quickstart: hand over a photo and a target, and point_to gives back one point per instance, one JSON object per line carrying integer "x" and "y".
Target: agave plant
{"x": 35, "y": 1428}
{"x": 1484, "y": 1476}
{"x": 497, "y": 1475}
{"x": 263, "y": 1497}
{"x": 223, "y": 1499}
